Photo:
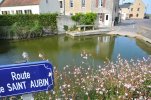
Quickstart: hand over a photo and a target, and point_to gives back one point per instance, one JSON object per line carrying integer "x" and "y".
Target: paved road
{"x": 142, "y": 26}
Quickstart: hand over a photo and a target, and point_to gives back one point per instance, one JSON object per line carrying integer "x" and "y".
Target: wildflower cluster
{"x": 117, "y": 81}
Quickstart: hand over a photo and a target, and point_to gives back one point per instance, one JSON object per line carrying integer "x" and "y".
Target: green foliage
{"x": 147, "y": 84}
{"x": 41, "y": 96}
{"x": 43, "y": 19}
{"x": 21, "y": 31}
{"x": 28, "y": 26}
{"x": 65, "y": 27}
{"x": 77, "y": 17}
{"x": 73, "y": 28}
{"x": 37, "y": 27}
{"x": 84, "y": 19}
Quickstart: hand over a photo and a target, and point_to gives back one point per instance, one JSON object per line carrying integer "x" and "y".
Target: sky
{"x": 147, "y": 4}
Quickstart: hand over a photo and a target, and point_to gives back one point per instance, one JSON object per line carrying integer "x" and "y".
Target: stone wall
{"x": 64, "y": 20}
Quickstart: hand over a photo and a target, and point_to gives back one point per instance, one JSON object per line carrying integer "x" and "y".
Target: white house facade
{"x": 32, "y": 9}
{"x": 29, "y": 6}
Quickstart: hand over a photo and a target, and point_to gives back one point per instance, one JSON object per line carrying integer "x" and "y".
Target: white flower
{"x": 68, "y": 86}
{"x": 101, "y": 92}
{"x": 25, "y": 55}
{"x": 128, "y": 85}
{"x": 126, "y": 94}
{"x": 40, "y": 55}
{"x": 85, "y": 57}
{"x": 99, "y": 66}
{"x": 149, "y": 86}
{"x": 53, "y": 92}
{"x": 86, "y": 93}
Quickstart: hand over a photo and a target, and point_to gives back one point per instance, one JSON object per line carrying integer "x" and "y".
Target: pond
{"x": 64, "y": 50}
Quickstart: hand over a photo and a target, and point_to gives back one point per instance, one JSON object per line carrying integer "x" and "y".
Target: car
{"x": 146, "y": 17}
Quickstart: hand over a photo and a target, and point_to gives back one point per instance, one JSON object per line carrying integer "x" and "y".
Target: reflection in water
{"x": 100, "y": 48}
{"x": 104, "y": 47}
{"x": 145, "y": 46}
{"x": 4, "y": 46}
{"x": 63, "y": 50}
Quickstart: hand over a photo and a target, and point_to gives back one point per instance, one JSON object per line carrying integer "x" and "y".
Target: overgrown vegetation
{"x": 123, "y": 80}
{"x": 84, "y": 19}
{"x": 27, "y": 26}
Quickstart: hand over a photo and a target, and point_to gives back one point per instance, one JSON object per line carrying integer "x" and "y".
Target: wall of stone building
{"x": 49, "y": 6}
{"x": 116, "y": 9}
{"x": 77, "y": 7}
{"x": 138, "y": 4}
{"x": 109, "y": 4}
{"x": 64, "y": 20}
{"x": 125, "y": 13}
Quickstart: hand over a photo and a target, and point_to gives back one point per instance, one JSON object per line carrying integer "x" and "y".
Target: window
{"x": 83, "y": 3}
{"x": 5, "y": 12}
{"x": 138, "y": 9}
{"x": 19, "y": 12}
{"x": 27, "y": 12}
{"x": 61, "y": 4}
{"x": 131, "y": 15}
{"x": 131, "y": 9}
{"x": 107, "y": 17}
{"x": 137, "y": 15}
{"x": 99, "y": 3}
{"x": 12, "y": 11}
{"x": 71, "y": 3}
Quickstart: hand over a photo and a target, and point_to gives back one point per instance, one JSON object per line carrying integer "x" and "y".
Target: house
{"x": 125, "y": 10}
{"x": 134, "y": 10}
{"x": 29, "y": 6}
{"x": 107, "y": 10}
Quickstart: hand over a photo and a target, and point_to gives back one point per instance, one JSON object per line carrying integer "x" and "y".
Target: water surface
{"x": 64, "y": 50}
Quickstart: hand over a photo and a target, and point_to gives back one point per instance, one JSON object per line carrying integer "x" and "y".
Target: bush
{"x": 84, "y": 19}
{"x": 65, "y": 28}
{"x": 77, "y": 17}
{"x": 27, "y": 26}
{"x": 21, "y": 31}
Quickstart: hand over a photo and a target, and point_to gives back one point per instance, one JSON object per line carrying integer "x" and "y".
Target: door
{"x": 100, "y": 19}
{"x": 106, "y": 22}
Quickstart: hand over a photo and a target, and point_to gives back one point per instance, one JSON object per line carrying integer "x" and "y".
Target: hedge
{"x": 43, "y": 19}
{"x": 26, "y": 26}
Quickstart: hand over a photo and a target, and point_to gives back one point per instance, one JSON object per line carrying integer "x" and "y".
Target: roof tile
{"x": 9, "y": 3}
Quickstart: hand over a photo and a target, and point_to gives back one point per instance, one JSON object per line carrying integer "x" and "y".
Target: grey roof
{"x": 125, "y": 5}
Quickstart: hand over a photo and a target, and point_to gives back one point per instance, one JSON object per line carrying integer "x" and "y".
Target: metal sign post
{"x": 27, "y": 96}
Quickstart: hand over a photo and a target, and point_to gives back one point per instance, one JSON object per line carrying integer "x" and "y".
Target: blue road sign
{"x": 24, "y": 78}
